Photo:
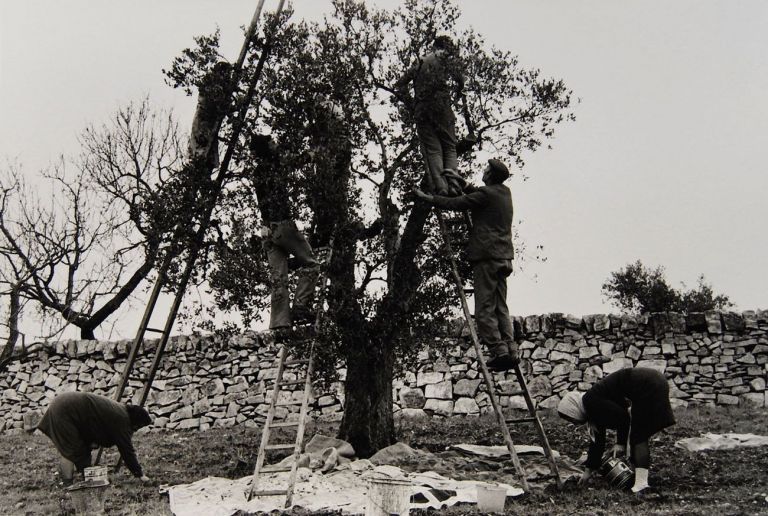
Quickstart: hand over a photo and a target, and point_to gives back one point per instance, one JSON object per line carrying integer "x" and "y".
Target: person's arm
{"x": 596, "y": 449}
{"x": 460, "y": 203}
{"x": 128, "y": 454}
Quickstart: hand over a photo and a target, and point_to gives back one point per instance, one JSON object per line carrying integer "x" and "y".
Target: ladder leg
{"x": 266, "y": 430}
{"x": 538, "y": 426}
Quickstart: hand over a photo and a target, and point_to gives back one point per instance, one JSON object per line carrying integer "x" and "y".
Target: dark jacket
{"x": 430, "y": 75}
{"x": 75, "y": 421}
{"x": 491, "y": 206}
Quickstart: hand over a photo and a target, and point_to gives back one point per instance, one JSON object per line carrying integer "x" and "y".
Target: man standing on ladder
{"x": 491, "y": 251}
{"x": 435, "y": 120}
{"x": 281, "y": 237}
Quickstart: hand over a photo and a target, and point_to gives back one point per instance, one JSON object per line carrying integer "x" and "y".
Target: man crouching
{"x": 76, "y": 421}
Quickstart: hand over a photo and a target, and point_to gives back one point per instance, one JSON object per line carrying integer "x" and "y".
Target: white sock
{"x": 641, "y": 480}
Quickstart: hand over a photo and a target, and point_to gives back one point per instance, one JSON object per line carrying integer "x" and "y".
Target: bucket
{"x": 491, "y": 498}
{"x": 617, "y": 472}
{"x": 388, "y": 496}
{"x": 88, "y": 500}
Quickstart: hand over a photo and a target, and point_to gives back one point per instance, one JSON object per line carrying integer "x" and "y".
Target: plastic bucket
{"x": 387, "y": 497}
{"x": 491, "y": 498}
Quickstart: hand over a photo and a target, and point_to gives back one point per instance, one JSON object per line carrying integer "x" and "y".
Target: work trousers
{"x": 285, "y": 240}
{"x": 494, "y": 326}
{"x": 438, "y": 146}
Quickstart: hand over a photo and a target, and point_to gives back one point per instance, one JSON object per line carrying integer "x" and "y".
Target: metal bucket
{"x": 617, "y": 472}
{"x": 387, "y": 497}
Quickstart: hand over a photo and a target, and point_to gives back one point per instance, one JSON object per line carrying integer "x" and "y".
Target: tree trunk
{"x": 368, "y": 422}
{"x": 14, "y": 311}
{"x": 86, "y": 333}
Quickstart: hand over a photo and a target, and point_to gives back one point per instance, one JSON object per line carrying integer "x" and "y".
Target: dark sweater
{"x": 491, "y": 235}
{"x": 75, "y": 421}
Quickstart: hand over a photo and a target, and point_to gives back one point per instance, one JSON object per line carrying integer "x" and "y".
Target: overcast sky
{"x": 665, "y": 163}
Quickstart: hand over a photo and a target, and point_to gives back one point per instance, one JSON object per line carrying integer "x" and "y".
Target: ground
{"x": 722, "y": 482}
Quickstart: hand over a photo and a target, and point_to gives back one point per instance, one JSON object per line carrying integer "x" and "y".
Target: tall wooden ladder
{"x": 238, "y": 120}
{"x": 488, "y": 378}
{"x": 284, "y": 362}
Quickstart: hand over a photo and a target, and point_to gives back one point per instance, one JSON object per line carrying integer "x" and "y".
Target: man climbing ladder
{"x": 491, "y": 251}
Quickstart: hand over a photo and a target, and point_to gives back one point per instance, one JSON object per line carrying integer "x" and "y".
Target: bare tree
{"x": 83, "y": 249}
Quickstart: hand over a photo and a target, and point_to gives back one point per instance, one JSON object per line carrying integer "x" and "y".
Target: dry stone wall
{"x": 708, "y": 358}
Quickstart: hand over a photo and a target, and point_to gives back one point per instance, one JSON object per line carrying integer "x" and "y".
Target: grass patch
{"x": 721, "y": 482}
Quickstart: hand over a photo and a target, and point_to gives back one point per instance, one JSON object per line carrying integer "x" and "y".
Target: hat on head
{"x": 499, "y": 170}
{"x": 572, "y": 406}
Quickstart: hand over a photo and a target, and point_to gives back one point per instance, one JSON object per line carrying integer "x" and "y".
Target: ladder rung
{"x": 297, "y": 361}
{"x": 280, "y": 447}
{"x": 155, "y": 330}
{"x": 275, "y": 469}
{"x": 290, "y": 404}
{"x": 521, "y": 420}
{"x": 469, "y": 291}
{"x": 275, "y": 492}
{"x": 284, "y": 425}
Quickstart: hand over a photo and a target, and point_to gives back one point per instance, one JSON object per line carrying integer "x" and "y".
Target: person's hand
{"x": 450, "y": 174}
{"x": 586, "y": 476}
{"x": 618, "y": 450}
{"x": 144, "y": 479}
{"x": 421, "y": 195}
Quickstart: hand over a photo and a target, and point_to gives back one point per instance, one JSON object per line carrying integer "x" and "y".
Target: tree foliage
{"x": 640, "y": 289}
{"x": 390, "y": 285}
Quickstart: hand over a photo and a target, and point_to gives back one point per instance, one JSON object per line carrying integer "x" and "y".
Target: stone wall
{"x": 709, "y": 358}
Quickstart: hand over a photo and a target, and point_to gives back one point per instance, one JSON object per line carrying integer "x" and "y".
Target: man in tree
{"x": 213, "y": 102}
{"x": 490, "y": 250}
{"x": 435, "y": 120}
{"x": 76, "y": 421}
{"x": 281, "y": 236}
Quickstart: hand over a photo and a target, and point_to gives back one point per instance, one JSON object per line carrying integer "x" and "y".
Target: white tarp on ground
{"x": 345, "y": 489}
{"x": 330, "y": 479}
{"x": 721, "y": 442}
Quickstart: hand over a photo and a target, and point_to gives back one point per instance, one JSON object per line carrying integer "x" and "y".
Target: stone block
{"x": 429, "y": 378}
{"x": 559, "y": 356}
{"x": 52, "y": 382}
{"x": 600, "y": 323}
{"x": 749, "y": 358}
{"x": 532, "y": 324}
{"x": 677, "y": 322}
{"x": 633, "y": 352}
{"x": 714, "y": 324}
{"x": 733, "y": 321}
{"x": 606, "y": 348}
{"x": 540, "y": 387}
{"x": 757, "y": 384}
{"x": 573, "y": 322}
{"x": 593, "y": 374}
{"x": 412, "y": 413}
{"x": 540, "y": 353}
{"x": 189, "y": 424}
{"x": 465, "y": 387}
{"x": 616, "y": 364}
{"x": 440, "y": 391}
{"x": 658, "y": 365}
{"x": 466, "y": 406}
{"x": 439, "y": 407}
{"x": 550, "y": 403}
{"x": 561, "y": 369}
{"x": 588, "y": 352}
{"x": 412, "y": 398}
{"x": 565, "y": 347}
{"x": 727, "y": 399}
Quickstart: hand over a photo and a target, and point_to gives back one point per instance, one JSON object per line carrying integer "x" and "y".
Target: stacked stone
{"x": 203, "y": 381}
{"x": 206, "y": 381}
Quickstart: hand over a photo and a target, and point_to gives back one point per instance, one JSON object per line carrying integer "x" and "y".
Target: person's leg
{"x": 280, "y": 310}
{"x": 433, "y": 155}
{"x": 506, "y": 329}
{"x": 292, "y": 241}
{"x": 641, "y": 459}
{"x": 446, "y": 133}
{"x": 66, "y": 470}
{"x": 485, "y": 307}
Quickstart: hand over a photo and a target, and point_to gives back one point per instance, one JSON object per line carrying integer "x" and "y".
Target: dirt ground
{"x": 721, "y": 482}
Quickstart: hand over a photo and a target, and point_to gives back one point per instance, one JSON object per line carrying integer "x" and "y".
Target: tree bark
{"x": 14, "y": 311}
{"x": 368, "y": 422}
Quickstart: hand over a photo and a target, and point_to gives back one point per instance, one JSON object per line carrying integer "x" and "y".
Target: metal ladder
{"x": 283, "y": 362}
{"x": 488, "y": 378}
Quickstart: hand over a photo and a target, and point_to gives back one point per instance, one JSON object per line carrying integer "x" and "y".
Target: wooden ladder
{"x": 488, "y": 378}
{"x": 284, "y": 361}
